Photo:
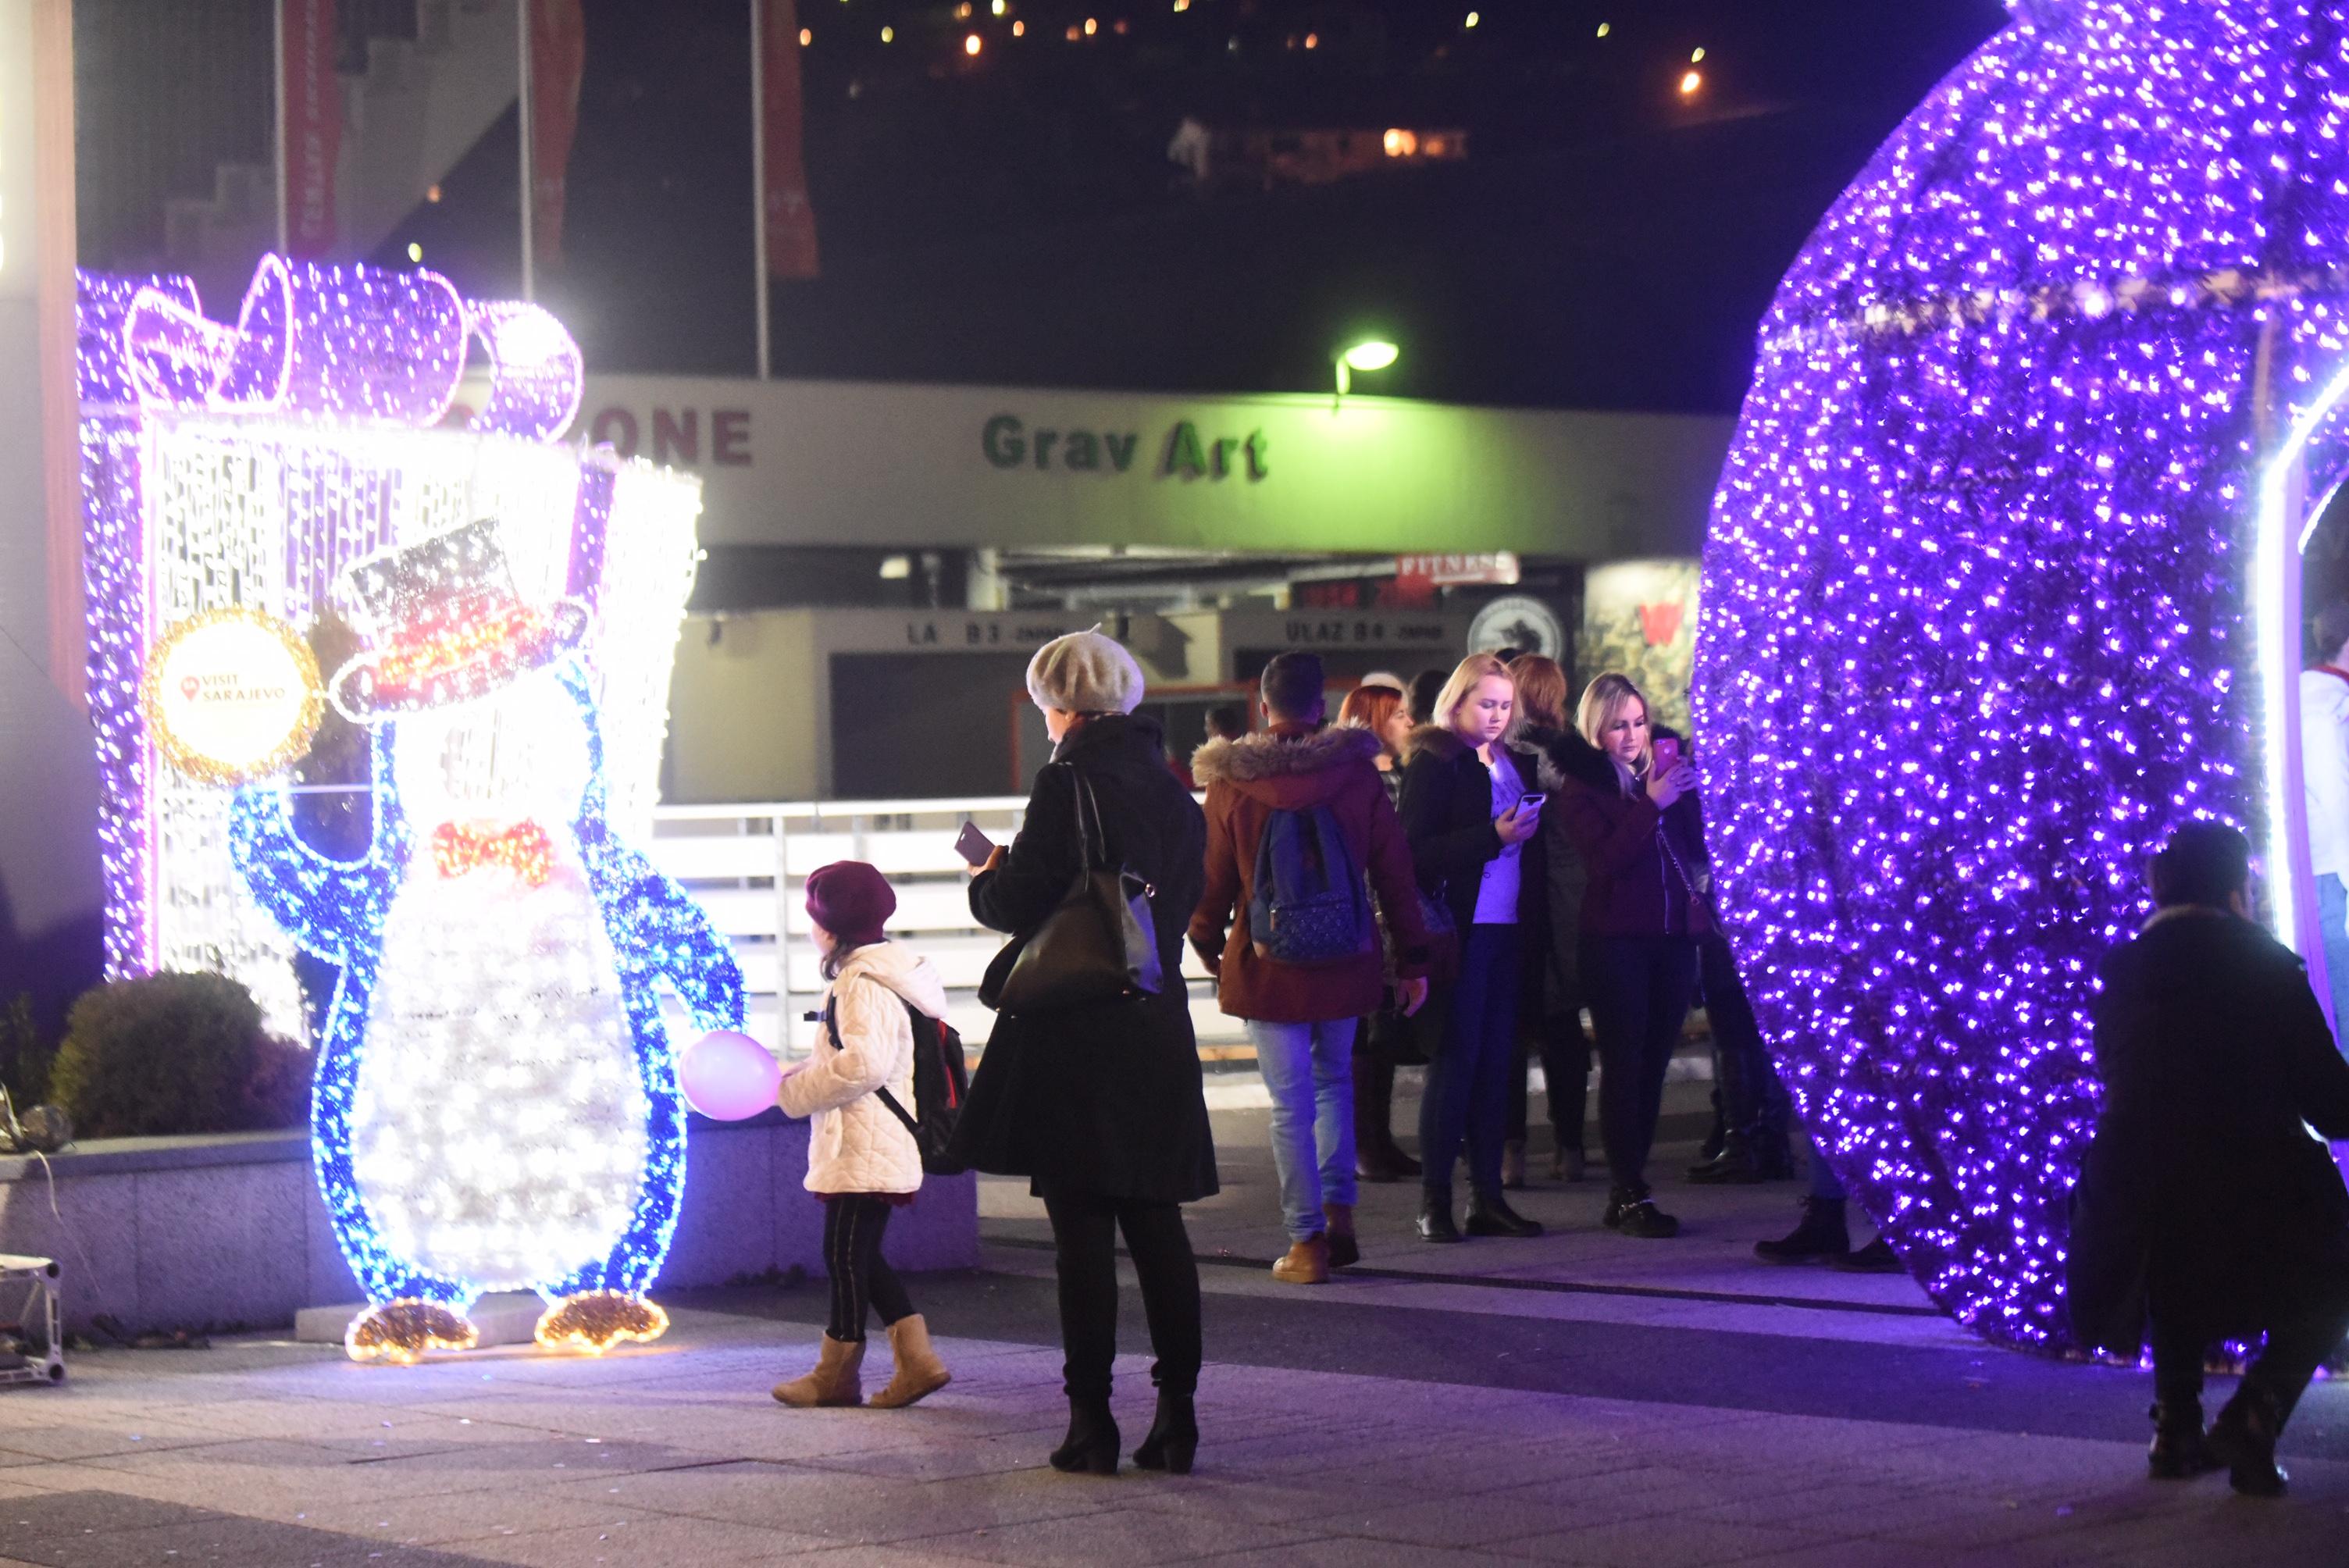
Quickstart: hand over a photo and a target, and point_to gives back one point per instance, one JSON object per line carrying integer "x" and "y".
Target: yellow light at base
{"x": 1692, "y": 83}
{"x": 971, "y": 45}
{"x": 1605, "y": 28}
{"x": 888, "y": 35}
{"x": 1697, "y": 58}
{"x": 1472, "y": 20}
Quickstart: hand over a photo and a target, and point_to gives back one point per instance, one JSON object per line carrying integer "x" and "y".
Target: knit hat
{"x": 851, "y": 900}
{"x": 1084, "y": 672}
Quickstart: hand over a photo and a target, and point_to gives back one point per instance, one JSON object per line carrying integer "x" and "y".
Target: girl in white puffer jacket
{"x": 862, "y": 1160}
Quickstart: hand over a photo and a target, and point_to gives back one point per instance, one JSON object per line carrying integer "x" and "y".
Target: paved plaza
{"x": 1579, "y": 1399}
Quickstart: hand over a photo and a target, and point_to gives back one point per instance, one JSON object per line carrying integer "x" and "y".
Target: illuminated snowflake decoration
{"x": 1999, "y": 589}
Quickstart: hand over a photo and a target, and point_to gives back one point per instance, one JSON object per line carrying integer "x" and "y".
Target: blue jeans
{"x": 1309, "y": 1069}
{"x": 1825, "y": 1183}
{"x": 1467, "y": 1095}
{"x": 2333, "y": 909}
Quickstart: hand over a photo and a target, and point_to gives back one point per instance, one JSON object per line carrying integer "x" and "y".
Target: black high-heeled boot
{"x": 1173, "y": 1436}
{"x": 1092, "y": 1442}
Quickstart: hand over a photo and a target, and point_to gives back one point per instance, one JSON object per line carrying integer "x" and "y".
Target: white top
{"x": 1496, "y": 896}
{"x": 2324, "y": 768}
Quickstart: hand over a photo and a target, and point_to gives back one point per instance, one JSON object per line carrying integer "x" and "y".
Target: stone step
{"x": 508, "y": 1318}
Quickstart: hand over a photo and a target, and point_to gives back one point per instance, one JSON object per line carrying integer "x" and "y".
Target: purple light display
{"x": 1979, "y": 619}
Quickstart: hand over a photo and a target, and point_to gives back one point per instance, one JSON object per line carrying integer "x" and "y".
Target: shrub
{"x": 176, "y": 1052}
{"x": 24, "y": 1060}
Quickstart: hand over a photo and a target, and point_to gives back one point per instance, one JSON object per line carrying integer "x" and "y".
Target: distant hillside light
{"x": 1691, "y": 83}
{"x": 1182, "y": 5}
{"x": 807, "y": 36}
{"x": 962, "y": 12}
{"x": 1313, "y": 40}
{"x": 1472, "y": 20}
{"x": 1019, "y": 29}
{"x": 970, "y": 46}
{"x": 888, "y": 35}
{"x": 1399, "y": 144}
{"x": 415, "y": 252}
{"x": 1000, "y": 7}
{"x": 1605, "y": 28}
{"x": 1091, "y": 26}
{"x": 1697, "y": 58}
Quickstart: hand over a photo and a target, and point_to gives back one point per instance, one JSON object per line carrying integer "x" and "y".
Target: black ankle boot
{"x": 2243, "y": 1439}
{"x": 2178, "y": 1452}
{"x": 1092, "y": 1442}
{"x": 1489, "y": 1214}
{"x": 1733, "y": 1166}
{"x": 1435, "y": 1215}
{"x": 1820, "y": 1238}
{"x": 1173, "y": 1436}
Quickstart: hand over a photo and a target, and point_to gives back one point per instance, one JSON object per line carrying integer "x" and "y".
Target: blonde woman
{"x": 1472, "y": 847}
{"x": 1637, "y": 828}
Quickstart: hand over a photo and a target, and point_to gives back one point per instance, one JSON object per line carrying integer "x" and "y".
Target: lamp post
{"x": 1371, "y": 353}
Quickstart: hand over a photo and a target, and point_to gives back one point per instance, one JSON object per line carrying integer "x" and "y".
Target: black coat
{"x": 1104, "y": 1100}
{"x": 1446, "y": 806}
{"x": 2203, "y": 1197}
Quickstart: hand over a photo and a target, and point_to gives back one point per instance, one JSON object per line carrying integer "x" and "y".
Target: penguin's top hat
{"x": 446, "y": 626}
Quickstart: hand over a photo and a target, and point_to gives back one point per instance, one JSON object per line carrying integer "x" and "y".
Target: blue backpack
{"x": 1309, "y": 904}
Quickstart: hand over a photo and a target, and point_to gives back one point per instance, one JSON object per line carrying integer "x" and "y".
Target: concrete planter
{"x": 226, "y": 1229}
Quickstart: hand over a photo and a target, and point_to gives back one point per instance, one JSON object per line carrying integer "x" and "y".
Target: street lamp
{"x": 1371, "y": 353}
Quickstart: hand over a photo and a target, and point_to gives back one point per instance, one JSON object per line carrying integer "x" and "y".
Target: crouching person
{"x": 2207, "y": 1211}
{"x": 863, "y": 1161}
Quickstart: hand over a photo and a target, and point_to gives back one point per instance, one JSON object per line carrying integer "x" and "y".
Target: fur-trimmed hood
{"x": 1287, "y": 769}
{"x": 1434, "y": 739}
{"x": 1566, "y": 754}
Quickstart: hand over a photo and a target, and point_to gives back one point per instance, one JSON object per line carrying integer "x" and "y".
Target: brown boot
{"x": 917, "y": 1370}
{"x": 834, "y": 1380}
{"x": 1308, "y": 1262}
{"x": 1344, "y": 1251}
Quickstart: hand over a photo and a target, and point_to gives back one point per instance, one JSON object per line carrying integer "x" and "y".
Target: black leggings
{"x": 1639, "y": 988}
{"x": 852, "y": 1226}
{"x": 1084, "y": 1238}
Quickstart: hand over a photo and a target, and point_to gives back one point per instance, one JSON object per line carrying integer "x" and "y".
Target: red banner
{"x": 558, "y": 59}
{"x": 310, "y": 104}
{"x": 789, "y": 217}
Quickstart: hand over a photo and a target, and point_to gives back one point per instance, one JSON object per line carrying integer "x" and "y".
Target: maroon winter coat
{"x": 1292, "y": 767}
{"x": 1641, "y": 862}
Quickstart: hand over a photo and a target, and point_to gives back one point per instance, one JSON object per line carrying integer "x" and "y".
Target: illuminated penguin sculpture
{"x": 496, "y": 1104}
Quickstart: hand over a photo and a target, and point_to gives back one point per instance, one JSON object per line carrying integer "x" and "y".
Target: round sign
{"x": 1517, "y": 621}
{"x": 231, "y": 695}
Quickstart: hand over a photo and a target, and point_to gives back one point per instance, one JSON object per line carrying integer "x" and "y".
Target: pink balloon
{"x": 729, "y": 1076}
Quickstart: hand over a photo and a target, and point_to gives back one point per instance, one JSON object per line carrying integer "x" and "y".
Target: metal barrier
{"x": 748, "y": 866}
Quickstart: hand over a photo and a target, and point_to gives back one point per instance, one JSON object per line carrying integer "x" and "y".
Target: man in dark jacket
{"x": 2206, "y": 1205}
{"x": 1303, "y": 1015}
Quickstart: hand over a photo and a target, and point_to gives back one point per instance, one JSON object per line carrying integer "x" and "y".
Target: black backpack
{"x": 1308, "y": 905}
{"x": 941, "y": 1080}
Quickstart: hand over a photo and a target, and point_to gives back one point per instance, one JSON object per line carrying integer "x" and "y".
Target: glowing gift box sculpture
{"x": 2002, "y": 587}
{"x": 495, "y": 1101}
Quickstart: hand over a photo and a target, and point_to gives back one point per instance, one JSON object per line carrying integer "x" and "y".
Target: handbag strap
{"x": 1081, "y": 791}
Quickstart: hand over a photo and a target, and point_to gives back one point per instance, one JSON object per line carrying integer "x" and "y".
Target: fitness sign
{"x": 231, "y": 696}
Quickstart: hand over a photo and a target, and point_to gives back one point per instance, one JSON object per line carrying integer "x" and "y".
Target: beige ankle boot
{"x": 1308, "y": 1262}
{"x": 834, "y": 1380}
{"x": 917, "y": 1370}
{"x": 1344, "y": 1249}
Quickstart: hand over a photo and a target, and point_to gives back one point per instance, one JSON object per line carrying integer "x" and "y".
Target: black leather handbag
{"x": 1099, "y": 944}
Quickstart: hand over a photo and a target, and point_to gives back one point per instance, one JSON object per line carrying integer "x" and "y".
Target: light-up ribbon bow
{"x": 522, "y": 849}
{"x": 351, "y": 343}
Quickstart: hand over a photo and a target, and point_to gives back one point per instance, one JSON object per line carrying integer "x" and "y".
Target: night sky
{"x": 1014, "y": 218}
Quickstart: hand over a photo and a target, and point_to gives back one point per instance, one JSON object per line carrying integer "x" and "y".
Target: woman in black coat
{"x": 1102, "y": 1107}
{"x": 2205, "y": 1207}
{"x": 1475, "y": 849}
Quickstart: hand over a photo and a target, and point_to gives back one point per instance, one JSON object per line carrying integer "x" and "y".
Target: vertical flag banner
{"x": 784, "y": 208}
{"x": 310, "y": 105}
{"x": 558, "y": 59}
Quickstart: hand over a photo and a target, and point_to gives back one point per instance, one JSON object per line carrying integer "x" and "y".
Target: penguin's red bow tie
{"x": 522, "y": 849}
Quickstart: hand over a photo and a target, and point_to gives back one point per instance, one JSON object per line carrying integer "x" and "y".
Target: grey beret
{"x": 1084, "y": 672}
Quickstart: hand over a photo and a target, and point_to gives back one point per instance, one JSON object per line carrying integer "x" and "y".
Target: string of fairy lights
{"x": 1981, "y": 624}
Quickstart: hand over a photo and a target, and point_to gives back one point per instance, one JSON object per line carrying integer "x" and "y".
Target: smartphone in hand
{"x": 1531, "y": 803}
{"x": 973, "y": 845}
{"x": 1667, "y": 756}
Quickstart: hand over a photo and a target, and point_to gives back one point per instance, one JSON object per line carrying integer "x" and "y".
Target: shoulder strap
{"x": 832, "y": 1028}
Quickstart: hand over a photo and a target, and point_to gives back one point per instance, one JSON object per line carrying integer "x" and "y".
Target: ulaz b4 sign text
{"x": 1182, "y": 453}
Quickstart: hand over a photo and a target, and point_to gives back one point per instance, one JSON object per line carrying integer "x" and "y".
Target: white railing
{"x": 748, "y": 866}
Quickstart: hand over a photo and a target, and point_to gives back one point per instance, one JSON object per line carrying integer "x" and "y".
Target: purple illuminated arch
{"x": 1989, "y": 601}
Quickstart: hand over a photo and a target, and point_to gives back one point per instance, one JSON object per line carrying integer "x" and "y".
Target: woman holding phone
{"x": 1631, "y": 811}
{"x": 1470, "y": 809}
